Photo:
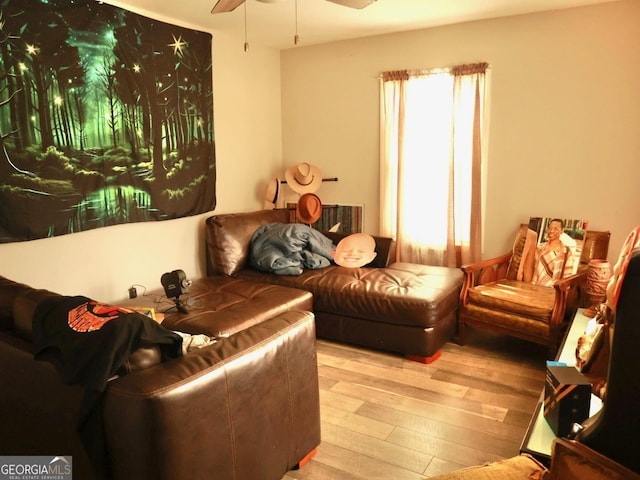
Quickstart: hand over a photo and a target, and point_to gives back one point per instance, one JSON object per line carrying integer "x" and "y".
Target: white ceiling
{"x": 320, "y": 21}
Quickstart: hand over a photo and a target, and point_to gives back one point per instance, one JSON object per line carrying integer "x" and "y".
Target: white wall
{"x": 564, "y": 114}
{"x": 103, "y": 263}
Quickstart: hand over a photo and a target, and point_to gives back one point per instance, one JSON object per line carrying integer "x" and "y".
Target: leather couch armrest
{"x": 219, "y": 408}
{"x": 228, "y": 238}
{"x": 24, "y": 305}
{"x": 140, "y": 359}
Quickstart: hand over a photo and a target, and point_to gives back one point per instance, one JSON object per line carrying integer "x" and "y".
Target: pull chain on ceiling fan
{"x": 223, "y": 6}
{"x": 246, "y": 41}
{"x": 296, "y": 38}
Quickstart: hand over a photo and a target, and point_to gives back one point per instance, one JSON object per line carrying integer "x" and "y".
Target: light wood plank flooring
{"x": 388, "y": 418}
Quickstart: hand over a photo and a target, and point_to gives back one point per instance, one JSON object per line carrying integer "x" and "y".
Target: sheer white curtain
{"x": 431, "y": 152}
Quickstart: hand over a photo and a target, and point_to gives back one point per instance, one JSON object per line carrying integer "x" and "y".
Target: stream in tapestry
{"x": 106, "y": 117}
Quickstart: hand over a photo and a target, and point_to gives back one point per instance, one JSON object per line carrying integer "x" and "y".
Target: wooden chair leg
{"x": 462, "y": 332}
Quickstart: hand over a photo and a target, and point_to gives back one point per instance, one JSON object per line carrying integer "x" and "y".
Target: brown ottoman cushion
{"x": 403, "y": 294}
{"x": 221, "y": 306}
{"x": 405, "y": 307}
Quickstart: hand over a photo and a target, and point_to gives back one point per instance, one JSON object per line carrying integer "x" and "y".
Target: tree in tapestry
{"x": 106, "y": 117}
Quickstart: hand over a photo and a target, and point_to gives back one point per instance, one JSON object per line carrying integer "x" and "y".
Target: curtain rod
{"x": 429, "y": 71}
{"x": 433, "y": 71}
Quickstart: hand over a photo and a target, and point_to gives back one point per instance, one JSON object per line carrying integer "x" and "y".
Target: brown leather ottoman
{"x": 410, "y": 308}
{"x": 404, "y": 307}
{"x": 221, "y": 306}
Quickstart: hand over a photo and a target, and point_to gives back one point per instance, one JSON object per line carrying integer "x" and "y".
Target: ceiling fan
{"x": 222, "y": 6}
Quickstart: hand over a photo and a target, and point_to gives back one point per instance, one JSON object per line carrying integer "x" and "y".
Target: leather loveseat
{"x": 244, "y": 407}
{"x": 393, "y": 306}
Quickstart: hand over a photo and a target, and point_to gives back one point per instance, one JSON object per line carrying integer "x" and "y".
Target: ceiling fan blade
{"x": 353, "y": 3}
{"x": 223, "y": 6}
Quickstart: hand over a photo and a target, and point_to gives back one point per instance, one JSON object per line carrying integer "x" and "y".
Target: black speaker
{"x": 567, "y": 398}
{"x": 175, "y": 283}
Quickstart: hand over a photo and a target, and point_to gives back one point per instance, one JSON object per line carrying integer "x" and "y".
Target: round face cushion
{"x": 355, "y": 250}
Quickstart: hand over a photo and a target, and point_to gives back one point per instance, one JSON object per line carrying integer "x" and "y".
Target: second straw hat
{"x": 272, "y": 194}
{"x": 303, "y": 178}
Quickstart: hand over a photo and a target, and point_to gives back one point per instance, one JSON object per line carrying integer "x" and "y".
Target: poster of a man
{"x": 558, "y": 250}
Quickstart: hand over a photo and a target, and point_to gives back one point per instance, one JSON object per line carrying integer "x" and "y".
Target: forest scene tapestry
{"x": 106, "y": 117}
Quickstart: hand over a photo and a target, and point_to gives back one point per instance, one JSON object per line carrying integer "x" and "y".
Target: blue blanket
{"x": 289, "y": 248}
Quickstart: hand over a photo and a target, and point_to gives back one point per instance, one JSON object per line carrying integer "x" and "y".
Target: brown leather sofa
{"x": 244, "y": 407}
{"x": 398, "y": 307}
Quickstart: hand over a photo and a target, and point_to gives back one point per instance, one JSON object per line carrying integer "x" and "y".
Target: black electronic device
{"x": 567, "y": 398}
{"x": 176, "y": 283}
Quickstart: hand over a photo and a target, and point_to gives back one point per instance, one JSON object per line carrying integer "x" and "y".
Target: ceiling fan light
{"x": 223, "y": 6}
{"x": 353, "y": 3}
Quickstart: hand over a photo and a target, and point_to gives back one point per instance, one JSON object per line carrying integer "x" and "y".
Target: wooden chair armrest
{"x": 495, "y": 264}
{"x": 489, "y": 263}
{"x": 567, "y": 300}
{"x": 482, "y": 272}
{"x": 572, "y": 281}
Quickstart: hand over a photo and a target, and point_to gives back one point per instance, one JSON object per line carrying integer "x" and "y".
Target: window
{"x": 431, "y": 151}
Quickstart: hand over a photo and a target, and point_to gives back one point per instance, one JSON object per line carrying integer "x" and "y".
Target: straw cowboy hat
{"x": 303, "y": 178}
{"x": 272, "y": 193}
{"x": 309, "y": 208}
